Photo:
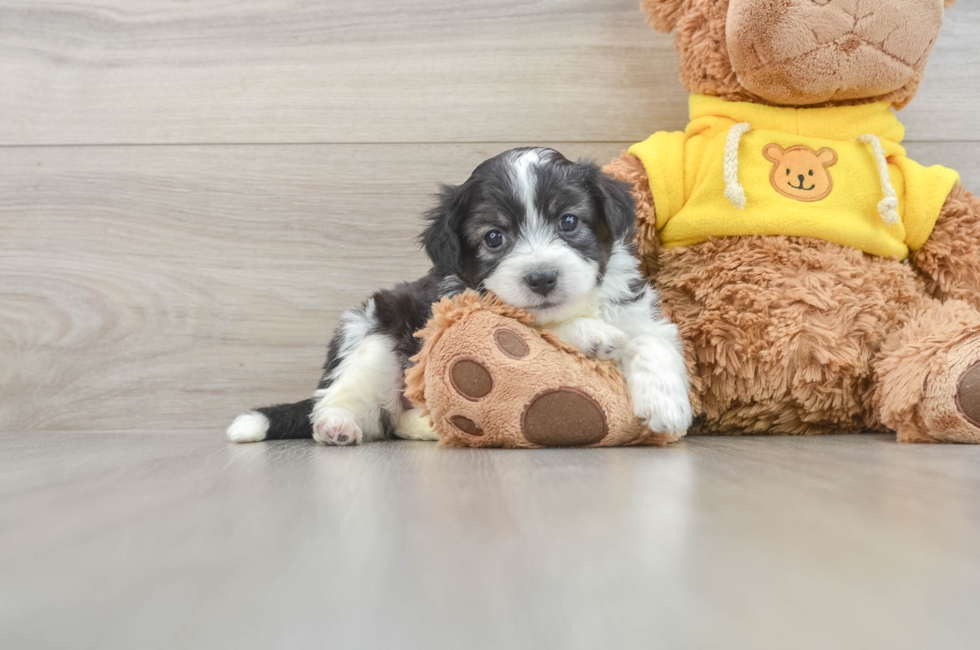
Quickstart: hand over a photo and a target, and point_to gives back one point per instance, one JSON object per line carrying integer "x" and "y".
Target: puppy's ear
{"x": 950, "y": 3}
{"x": 439, "y": 239}
{"x": 662, "y": 15}
{"x": 617, "y": 206}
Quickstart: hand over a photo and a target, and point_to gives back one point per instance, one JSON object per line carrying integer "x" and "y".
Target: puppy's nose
{"x": 802, "y": 178}
{"x": 542, "y": 282}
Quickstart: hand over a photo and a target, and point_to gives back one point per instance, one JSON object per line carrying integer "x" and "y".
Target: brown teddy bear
{"x": 822, "y": 281}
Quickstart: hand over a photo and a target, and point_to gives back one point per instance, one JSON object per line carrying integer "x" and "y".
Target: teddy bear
{"x": 822, "y": 281}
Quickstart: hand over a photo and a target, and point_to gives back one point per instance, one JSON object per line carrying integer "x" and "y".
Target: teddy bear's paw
{"x": 949, "y": 410}
{"x": 412, "y": 425}
{"x": 337, "y": 426}
{"x": 593, "y": 337}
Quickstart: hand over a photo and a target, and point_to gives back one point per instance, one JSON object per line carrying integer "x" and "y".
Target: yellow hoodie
{"x": 748, "y": 169}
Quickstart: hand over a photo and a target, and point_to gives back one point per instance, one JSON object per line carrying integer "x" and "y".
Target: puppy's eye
{"x": 494, "y": 239}
{"x": 811, "y": 172}
{"x": 568, "y": 222}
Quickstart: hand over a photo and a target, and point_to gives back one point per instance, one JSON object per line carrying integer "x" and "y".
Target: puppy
{"x": 543, "y": 233}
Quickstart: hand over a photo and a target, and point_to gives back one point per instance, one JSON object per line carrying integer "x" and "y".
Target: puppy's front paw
{"x": 663, "y": 409}
{"x": 593, "y": 337}
{"x": 336, "y": 426}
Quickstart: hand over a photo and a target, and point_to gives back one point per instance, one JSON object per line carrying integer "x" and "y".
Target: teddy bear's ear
{"x": 950, "y": 3}
{"x": 662, "y": 15}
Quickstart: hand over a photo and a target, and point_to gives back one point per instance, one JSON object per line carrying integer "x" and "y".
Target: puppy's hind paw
{"x": 336, "y": 426}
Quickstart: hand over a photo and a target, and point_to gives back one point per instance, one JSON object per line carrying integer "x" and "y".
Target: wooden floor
{"x": 179, "y": 540}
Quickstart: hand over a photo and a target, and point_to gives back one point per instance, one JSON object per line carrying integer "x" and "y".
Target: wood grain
{"x": 170, "y": 287}
{"x": 299, "y": 71}
{"x": 182, "y": 540}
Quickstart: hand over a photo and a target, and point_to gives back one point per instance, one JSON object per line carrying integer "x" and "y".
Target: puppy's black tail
{"x": 273, "y": 423}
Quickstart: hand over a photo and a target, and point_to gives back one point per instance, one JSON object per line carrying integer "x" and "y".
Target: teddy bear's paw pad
{"x": 471, "y": 379}
{"x": 968, "y": 394}
{"x": 950, "y": 405}
{"x": 510, "y": 343}
{"x": 563, "y": 417}
{"x": 466, "y": 425}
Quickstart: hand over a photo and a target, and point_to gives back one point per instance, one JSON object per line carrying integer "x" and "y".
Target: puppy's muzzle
{"x": 541, "y": 282}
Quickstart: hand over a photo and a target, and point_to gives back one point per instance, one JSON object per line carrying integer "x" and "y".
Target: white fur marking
{"x": 248, "y": 427}
{"x": 524, "y": 182}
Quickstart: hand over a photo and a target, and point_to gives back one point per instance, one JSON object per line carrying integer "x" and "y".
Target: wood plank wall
{"x": 192, "y": 192}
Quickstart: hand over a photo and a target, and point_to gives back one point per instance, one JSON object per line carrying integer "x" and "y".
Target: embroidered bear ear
{"x": 773, "y": 152}
{"x": 827, "y": 157}
{"x": 662, "y": 15}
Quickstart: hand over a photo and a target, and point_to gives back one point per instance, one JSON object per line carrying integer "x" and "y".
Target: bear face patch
{"x": 800, "y": 172}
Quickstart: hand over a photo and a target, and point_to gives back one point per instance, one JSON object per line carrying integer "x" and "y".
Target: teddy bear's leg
{"x": 928, "y": 376}
{"x": 950, "y": 259}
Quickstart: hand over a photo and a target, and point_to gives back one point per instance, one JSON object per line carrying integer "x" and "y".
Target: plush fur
{"x": 701, "y": 40}
{"x": 792, "y": 335}
{"x": 944, "y": 260}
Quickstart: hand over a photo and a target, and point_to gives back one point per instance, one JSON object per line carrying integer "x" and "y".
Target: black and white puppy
{"x": 543, "y": 233}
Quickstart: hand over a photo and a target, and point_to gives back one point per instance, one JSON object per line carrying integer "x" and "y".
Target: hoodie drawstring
{"x": 888, "y": 206}
{"x": 734, "y": 191}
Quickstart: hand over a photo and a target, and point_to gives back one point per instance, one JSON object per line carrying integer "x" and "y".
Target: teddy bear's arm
{"x": 628, "y": 168}
{"x": 949, "y": 261}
